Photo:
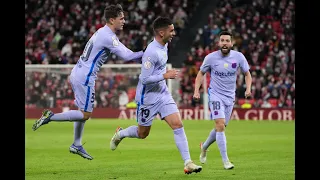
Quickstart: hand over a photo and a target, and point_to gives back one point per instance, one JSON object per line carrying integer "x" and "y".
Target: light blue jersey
{"x": 82, "y": 78}
{"x": 152, "y": 94}
{"x": 102, "y": 43}
{"x": 223, "y": 74}
{"x": 152, "y": 86}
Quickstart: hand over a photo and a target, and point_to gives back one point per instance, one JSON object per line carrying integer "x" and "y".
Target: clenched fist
{"x": 171, "y": 74}
{"x": 247, "y": 94}
{"x": 196, "y": 96}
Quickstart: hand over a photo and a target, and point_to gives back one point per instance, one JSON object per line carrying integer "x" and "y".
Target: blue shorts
{"x": 218, "y": 109}
{"x": 84, "y": 95}
{"x": 147, "y": 113}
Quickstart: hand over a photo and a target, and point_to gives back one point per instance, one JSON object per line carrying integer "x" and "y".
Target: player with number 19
{"x": 153, "y": 96}
{"x": 82, "y": 78}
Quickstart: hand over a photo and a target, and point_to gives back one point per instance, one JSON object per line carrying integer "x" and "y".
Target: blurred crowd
{"x": 52, "y": 89}
{"x": 57, "y": 31}
{"x": 264, "y": 32}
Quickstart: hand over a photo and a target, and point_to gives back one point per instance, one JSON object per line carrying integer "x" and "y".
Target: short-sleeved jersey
{"x": 223, "y": 73}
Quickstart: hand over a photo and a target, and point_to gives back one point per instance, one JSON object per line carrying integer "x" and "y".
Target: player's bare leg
{"x": 174, "y": 121}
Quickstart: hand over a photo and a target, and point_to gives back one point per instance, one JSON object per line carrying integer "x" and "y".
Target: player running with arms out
{"x": 82, "y": 78}
{"x": 153, "y": 96}
{"x": 222, "y": 66}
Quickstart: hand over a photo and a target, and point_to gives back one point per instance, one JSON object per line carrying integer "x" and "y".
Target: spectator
{"x": 265, "y": 104}
{"x": 56, "y": 31}
{"x": 263, "y": 32}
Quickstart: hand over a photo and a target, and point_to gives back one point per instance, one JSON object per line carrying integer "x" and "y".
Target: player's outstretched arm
{"x": 123, "y": 52}
{"x": 248, "y": 80}
{"x": 198, "y": 82}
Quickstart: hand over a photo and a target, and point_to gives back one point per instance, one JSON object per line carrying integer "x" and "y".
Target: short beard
{"x": 225, "y": 53}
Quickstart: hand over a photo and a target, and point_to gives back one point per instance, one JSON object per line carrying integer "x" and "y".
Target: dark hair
{"x": 161, "y": 22}
{"x": 225, "y": 33}
{"x": 112, "y": 11}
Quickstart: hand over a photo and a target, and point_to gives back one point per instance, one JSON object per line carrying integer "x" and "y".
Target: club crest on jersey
{"x": 234, "y": 65}
{"x": 147, "y": 64}
{"x": 225, "y": 65}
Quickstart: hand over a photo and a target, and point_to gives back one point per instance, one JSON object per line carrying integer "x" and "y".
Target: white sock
{"x": 78, "y": 131}
{"x": 187, "y": 161}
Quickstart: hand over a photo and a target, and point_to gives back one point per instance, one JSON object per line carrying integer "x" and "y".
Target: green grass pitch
{"x": 260, "y": 150}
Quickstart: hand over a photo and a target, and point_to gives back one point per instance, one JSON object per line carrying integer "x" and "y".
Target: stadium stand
{"x": 264, "y": 33}
{"x": 56, "y": 32}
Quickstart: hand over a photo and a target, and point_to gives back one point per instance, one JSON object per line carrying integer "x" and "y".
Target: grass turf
{"x": 260, "y": 150}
